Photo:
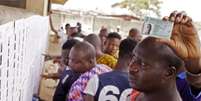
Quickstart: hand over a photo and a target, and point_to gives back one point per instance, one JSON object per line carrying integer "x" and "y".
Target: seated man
{"x": 185, "y": 44}
{"x": 82, "y": 59}
{"x": 67, "y": 76}
{"x": 115, "y": 83}
{"x": 111, "y": 45}
{"x": 101, "y": 58}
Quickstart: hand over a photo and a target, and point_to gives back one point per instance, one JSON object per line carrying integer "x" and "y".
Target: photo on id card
{"x": 157, "y": 28}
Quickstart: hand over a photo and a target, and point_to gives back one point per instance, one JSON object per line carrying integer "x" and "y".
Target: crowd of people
{"x": 105, "y": 67}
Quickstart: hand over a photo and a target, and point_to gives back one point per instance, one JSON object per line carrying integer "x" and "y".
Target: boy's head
{"x": 112, "y": 43}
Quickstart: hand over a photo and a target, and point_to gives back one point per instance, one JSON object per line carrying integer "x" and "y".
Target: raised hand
{"x": 185, "y": 40}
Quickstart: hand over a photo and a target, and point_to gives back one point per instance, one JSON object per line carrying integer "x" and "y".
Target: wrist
{"x": 194, "y": 79}
{"x": 193, "y": 66}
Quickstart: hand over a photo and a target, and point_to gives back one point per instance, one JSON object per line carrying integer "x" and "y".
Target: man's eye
{"x": 134, "y": 58}
{"x": 143, "y": 64}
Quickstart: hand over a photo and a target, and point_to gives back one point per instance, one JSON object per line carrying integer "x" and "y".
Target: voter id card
{"x": 157, "y": 27}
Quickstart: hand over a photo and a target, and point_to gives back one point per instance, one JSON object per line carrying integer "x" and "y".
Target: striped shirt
{"x": 76, "y": 91}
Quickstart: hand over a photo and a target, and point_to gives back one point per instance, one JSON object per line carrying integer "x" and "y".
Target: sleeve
{"x": 195, "y": 84}
{"x": 188, "y": 92}
{"x": 61, "y": 90}
{"x": 92, "y": 86}
{"x": 194, "y": 79}
{"x": 60, "y": 94}
{"x": 195, "y": 92}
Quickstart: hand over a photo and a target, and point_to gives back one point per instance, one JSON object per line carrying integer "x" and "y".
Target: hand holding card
{"x": 185, "y": 41}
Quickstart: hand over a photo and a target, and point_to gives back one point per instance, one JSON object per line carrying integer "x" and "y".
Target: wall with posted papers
{"x": 22, "y": 43}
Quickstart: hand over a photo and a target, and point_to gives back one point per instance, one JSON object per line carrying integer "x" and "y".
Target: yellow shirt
{"x": 115, "y": 55}
{"x": 107, "y": 60}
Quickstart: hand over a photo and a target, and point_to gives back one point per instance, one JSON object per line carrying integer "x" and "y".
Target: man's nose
{"x": 133, "y": 67}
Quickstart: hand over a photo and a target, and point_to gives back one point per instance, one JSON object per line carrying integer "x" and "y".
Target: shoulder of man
{"x": 69, "y": 76}
{"x": 102, "y": 68}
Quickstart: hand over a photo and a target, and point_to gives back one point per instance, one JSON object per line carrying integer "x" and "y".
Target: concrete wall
{"x": 32, "y": 7}
{"x": 93, "y": 24}
{"x": 10, "y": 14}
{"x": 37, "y": 6}
{"x": 14, "y": 3}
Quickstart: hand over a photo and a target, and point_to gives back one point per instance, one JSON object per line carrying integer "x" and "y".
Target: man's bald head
{"x": 86, "y": 48}
{"x": 82, "y": 57}
{"x": 94, "y": 40}
{"x": 154, "y": 50}
{"x": 153, "y": 66}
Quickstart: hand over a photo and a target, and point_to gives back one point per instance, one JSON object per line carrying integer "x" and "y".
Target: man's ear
{"x": 171, "y": 72}
{"x": 92, "y": 61}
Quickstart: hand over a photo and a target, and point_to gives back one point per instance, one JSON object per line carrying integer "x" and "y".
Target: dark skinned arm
{"x": 186, "y": 44}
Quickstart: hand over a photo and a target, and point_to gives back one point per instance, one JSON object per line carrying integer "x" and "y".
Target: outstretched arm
{"x": 185, "y": 42}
